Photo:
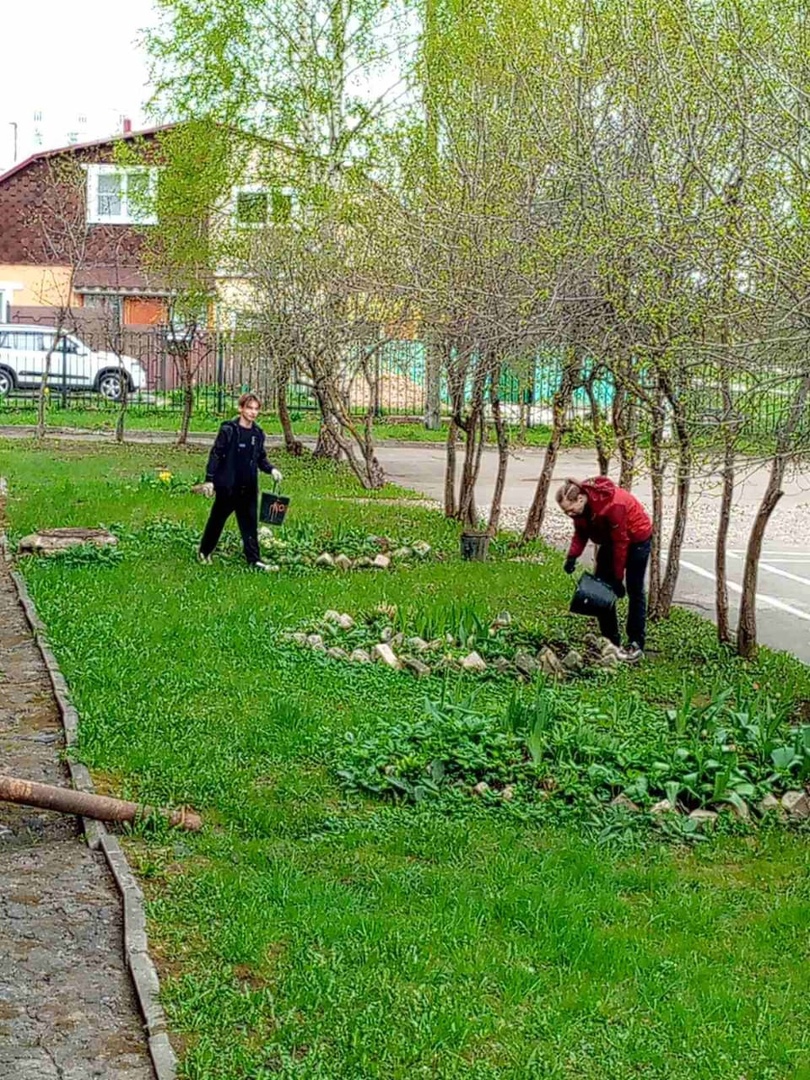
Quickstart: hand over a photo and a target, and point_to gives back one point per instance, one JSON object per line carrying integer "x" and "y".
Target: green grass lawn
{"x": 315, "y": 931}
{"x": 142, "y": 418}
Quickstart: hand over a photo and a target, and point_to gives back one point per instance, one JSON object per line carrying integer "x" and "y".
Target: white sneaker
{"x": 206, "y": 559}
{"x": 267, "y": 567}
{"x": 632, "y": 654}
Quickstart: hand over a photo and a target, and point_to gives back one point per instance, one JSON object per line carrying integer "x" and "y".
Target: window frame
{"x": 125, "y": 217}
{"x": 268, "y": 190}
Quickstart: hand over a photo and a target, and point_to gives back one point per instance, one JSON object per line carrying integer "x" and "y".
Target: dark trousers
{"x": 242, "y": 502}
{"x": 638, "y": 555}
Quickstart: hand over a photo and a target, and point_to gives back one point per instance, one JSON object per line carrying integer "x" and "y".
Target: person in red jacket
{"x": 619, "y": 525}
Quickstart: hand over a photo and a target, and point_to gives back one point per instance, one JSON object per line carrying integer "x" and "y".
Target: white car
{"x": 24, "y": 353}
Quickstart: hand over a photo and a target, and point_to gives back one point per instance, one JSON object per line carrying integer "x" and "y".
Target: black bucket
{"x": 592, "y": 596}
{"x": 273, "y": 508}
{"x": 475, "y": 546}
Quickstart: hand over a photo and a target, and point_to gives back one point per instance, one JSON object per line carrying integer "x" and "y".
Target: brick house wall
{"x": 43, "y": 223}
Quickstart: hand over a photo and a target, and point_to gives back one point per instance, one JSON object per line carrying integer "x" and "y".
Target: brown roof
{"x": 118, "y": 279}
{"x": 41, "y": 155}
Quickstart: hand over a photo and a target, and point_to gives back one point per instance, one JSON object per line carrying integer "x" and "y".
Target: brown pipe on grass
{"x": 98, "y": 807}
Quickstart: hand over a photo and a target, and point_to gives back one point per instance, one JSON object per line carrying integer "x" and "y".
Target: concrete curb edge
{"x": 141, "y": 967}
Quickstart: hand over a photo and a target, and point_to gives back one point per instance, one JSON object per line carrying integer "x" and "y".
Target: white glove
{"x": 276, "y": 475}
{"x": 208, "y": 489}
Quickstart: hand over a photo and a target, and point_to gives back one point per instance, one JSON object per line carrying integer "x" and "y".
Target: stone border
{"x": 136, "y": 947}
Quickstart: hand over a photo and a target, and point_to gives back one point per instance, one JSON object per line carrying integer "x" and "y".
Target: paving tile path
{"x": 67, "y": 1008}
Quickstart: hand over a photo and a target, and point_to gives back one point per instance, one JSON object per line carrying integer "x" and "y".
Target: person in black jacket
{"x": 232, "y": 477}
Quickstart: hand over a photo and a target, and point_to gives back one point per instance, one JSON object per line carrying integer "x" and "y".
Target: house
{"x": 72, "y": 235}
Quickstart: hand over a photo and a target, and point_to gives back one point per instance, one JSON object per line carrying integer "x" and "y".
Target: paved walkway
{"x": 67, "y": 1009}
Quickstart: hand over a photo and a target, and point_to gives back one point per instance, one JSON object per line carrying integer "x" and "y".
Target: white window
{"x": 255, "y": 205}
{"x": 121, "y": 196}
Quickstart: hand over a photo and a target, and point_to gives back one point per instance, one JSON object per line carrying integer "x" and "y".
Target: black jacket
{"x": 221, "y": 469}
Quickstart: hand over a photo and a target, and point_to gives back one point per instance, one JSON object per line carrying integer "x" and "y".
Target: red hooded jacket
{"x": 612, "y": 516}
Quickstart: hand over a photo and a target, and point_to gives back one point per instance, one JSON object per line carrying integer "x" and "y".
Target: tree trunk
{"x": 450, "y": 506}
{"x": 626, "y": 424}
{"x": 502, "y": 438}
{"x": 657, "y": 482}
{"x": 42, "y": 398}
{"x": 433, "y": 381}
{"x": 720, "y": 561}
{"x": 683, "y": 485}
{"x": 188, "y": 404}
{"x": 122, "y": 411}
{"x": 747, "y": 625}
{"x": 327, "y": 445}
{"x": 473, "y": 447}
{"x": 602, "y": 451}
{"x": 561, "y": 402}
{"x": 292, "y": 445}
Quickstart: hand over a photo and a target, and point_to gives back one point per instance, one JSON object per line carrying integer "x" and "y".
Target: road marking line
{"x": 762, "y": 598}
{"x": 781, "y": 573}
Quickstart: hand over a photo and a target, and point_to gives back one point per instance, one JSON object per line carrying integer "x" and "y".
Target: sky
{"x": 70, "y": 60}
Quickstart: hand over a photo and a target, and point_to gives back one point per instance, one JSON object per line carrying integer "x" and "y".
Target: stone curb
{"x": 141, "y": 967}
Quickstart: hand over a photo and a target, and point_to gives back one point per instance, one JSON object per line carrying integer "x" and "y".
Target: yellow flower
{"x": 165, "y": 476}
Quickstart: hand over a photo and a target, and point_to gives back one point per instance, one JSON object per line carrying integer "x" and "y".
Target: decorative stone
{"x": 743, "y": 811}
{"x": 315, "y": 641}
{"x": 381, "y": 562}
{"x": 331, "y": 617}
{"x": 501, "y": 665}
{"x": 363, "y": 563}
{"x": 502, "y": 620}
{"x": 526, "y": 665}
{"x": 299, "y": 638}
{"x": 387, "y": 633}
{"x": 508, "y": 793}
{"x": 52, "y": 541}
{"x": 663, "y": 807}
{"x": 360, "y": 656}
{"x": 343, "y": 562}
{"x": 384, "y": 654}
{"x": 346, "y": 622}
{"x": 481, "y": 788}
{"x": 572, "y": 662}
{"x": 397, "y": 641}
{"x": 625, "y": 803}
{"x": 325, "y": 560}
{"x": 403, "y": 553}
{"x": 416, "y": 667}
{"x": 701, "y": 816}
{"x": 608, "y": 661}
{"x": 550, "y": 664}
{"x": 797, "y": 805}
{"x": 337, "y": 653}
{"x": 474, "y": 662}
{"x": 435, "y": 645}
{"x": 421, "y": 548}
{"x": 417, "y": 644}
{"x": 770, "y": 804}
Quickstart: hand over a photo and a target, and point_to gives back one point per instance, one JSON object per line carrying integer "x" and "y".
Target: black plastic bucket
{"x": 474, "y": 546}
{"x": 592, "y": 596}
{"x": 273, "y": 508}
